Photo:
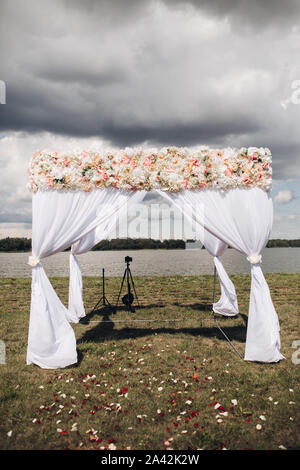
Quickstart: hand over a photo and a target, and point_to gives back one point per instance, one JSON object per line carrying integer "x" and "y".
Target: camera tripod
{"x": 103, "y": 300}
{"x": 127, "y": 299}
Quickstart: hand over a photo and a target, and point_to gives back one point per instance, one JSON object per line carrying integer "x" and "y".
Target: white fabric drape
{"x": 84, "y": 244}
{"x": 60, "y": 219}
{"x": 243, "y": 218}
{"x": 227, "y": 305}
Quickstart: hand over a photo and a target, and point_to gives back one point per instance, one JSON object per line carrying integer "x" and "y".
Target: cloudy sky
{"x": 126, "y": 72}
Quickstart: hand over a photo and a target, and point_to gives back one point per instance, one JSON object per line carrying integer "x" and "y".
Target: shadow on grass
{"x": 105, "y": 329}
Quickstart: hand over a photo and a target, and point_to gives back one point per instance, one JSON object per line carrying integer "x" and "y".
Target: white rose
{"x": 252, "y": 150}
{"x": 255, "y": 258}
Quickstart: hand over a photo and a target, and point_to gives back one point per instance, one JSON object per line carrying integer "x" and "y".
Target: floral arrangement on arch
{"x": 170, "y": 169}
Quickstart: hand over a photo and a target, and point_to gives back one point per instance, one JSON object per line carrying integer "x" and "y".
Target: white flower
{"x": 34, "y": 261}
{"x": 255, "y": 258}
{"x": 252, "y": 150}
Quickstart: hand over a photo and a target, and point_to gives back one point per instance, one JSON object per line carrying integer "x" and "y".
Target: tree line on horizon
{"x": 11, "y": 244}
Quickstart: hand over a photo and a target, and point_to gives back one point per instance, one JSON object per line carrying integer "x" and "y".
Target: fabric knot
{"x": 33, "y": 261}
{"x": 255, "y": 258}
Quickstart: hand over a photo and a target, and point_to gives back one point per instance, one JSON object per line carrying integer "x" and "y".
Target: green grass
{"x": 153, "y": 384}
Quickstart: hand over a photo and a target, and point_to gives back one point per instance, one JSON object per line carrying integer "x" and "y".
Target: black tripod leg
{"x": 121, "y": 287}
{"x": 134, "y": 288}
{"x": 96, "y": 305}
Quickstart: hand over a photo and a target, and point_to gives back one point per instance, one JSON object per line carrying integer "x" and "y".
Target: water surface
{"x": 152, "y": 262}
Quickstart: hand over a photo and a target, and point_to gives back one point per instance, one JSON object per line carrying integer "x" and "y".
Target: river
{"x": 152, "y": 262}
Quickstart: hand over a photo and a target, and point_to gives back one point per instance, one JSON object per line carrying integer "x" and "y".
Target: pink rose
{"x": 50, "y": 182}
{"x": 147, "y": 161}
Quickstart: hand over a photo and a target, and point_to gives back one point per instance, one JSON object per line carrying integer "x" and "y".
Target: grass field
{"x": 169, "y": 383}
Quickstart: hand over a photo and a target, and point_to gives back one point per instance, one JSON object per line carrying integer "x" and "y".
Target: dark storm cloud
{"x": 165, "y": 72}
{"x": 253, "y": 13}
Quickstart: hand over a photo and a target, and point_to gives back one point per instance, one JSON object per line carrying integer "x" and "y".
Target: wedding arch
{"x": 77, "y": 198}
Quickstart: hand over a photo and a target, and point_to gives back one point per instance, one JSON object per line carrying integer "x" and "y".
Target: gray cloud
{"x": 163, "y": 72}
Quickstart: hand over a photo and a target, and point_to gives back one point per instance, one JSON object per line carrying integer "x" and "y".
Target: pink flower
{"x": 125, "y": 160}
{"x": 147, "y": 161}
{"x": 50, "y": 182}
{"x": 228, "y": 172}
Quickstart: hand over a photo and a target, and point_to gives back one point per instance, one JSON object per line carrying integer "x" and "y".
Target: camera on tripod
{"x": 128, "y": 298}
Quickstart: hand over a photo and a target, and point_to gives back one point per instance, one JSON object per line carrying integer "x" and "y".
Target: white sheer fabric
{"x": 227, "y": 305}
{"x": 243, "y": 218}
{"x": 101, "y": 232}
{"x": 59, "y": 220}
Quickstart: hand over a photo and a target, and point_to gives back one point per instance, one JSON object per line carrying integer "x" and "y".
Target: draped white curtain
{"x": 227, "y": 305}
{"x": 60, "y": 219}
{"x": 243, "y": 218}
